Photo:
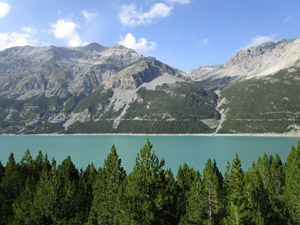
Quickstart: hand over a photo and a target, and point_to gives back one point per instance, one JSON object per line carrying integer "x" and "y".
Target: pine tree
{"x": 172, "y": 194}
{"x": 56, "y": 200}
{"x": 236, "y": 211}
{"x": 256, "y": 198}
{"x": 45, "y": 203}
{"x": 11, "y": 186}
{"x": 195, "y": 206}
{"x": 67, "y": 191}
{"x": 145, "y": 190}
{"x": 86, "y": 182}
{"x": 277, "y": 171}
{"x": 184, "y": 179}
{"x": 23, "y": 204}
{"x": 205, "y": 202}
{"x": 292, "y": 181}
{"x": 37, "y": 165}
{"x": 212, "y": 194}
{"x": 107, "y": 192}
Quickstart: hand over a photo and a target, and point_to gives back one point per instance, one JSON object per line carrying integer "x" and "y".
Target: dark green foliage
{"x": 145, "y": 192}
{"x": 2, "y": 171}
{"x": 101, "y": 126}
{"x": 266, "y": 105}
{"x": 92, "y": 101}
{"x": 11, "y": 185}
{"x": 212, "y": 194}
{"x": 108, "y": 192}
{"x": 206, "y": 201}
{"x": 176, "y": 108}
{"x": 85, "y": 189}
{"x": 185, "y": 178}
{"x": 292, "y": 180}
{"x": 141, "y": 126}
{"x": 163, "y": 127}
{"x": 184, "y": 101}
{"x": 35, "y": 192}
{"x": 48, "y": 128}
{"x": 236, "y": 202}
{"x": 194, "y": 206}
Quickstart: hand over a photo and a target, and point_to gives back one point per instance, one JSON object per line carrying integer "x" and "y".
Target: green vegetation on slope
{"x": 183, "y": 101}
{"x": 263, "y": 105}
{"x": 170, "y": 108}
{"x": 35, "y": 191}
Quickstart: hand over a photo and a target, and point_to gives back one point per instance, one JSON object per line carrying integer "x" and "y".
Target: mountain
{"x": 97, "y": 89}
{"x": 258, "y": 88}
{"x": 252, "y": 62}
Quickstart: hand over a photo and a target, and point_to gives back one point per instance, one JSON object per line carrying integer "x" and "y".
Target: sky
{"x": 182, "y": 33}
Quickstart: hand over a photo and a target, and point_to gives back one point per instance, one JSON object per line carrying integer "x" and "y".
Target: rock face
{"x": 97, "y": 89}
{"x": 258, "y": 88}
{"x": 256, "y": 61}
{"x": 59, "y": 71}
{"x": 85, "y": 89}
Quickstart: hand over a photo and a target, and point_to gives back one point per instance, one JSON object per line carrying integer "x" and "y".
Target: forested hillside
{"x": 37, "y": 191}
{"x": 266, "y": 105}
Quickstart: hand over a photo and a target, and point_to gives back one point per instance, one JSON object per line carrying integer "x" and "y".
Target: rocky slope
{"x": 253, "y": 62}
{"x": 258, "y": 88}
{"x": 96, "y": 89}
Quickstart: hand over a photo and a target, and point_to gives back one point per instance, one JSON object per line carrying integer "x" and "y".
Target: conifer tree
{"x": 184, "y": 179}
{"x": 271, "y": 178}
{"x": 44, "y": 208}
{"x": 67, "y": 191}
{"x": 107, "y": 192}
{"x": 212, "y": 194}
{"x": 11, "y": 186}
{"x": 195, "y": 206}
{"x": 172, "y": 194}
{"x": 236, "y": 211}
{"x": 256, "y": 197}
{"x": 23, "y": 204}
{"x": 292, "y": 181}
{"x": 37, "y": 165}
{"x": 86, "y": 182}
{"x": 205, "y": 202}
{"x": 145, "y": 189}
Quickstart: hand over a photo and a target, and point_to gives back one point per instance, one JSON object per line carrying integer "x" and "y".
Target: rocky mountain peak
{"x": 255, "y": 61}
{"x": 94, "y": 47}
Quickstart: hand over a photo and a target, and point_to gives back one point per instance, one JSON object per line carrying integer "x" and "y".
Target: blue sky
{"x": 181, "y": 33}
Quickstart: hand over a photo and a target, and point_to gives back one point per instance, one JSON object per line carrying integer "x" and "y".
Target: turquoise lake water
{"x": 194, "y": 150}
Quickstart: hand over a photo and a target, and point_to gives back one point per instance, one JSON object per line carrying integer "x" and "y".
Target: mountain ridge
{"x": 261, "y": 60}
{"x": 97, "y": 89}
{"x": 57, "y": 89}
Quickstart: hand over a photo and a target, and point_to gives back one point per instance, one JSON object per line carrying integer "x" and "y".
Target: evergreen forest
{"x": 38, "y": 191}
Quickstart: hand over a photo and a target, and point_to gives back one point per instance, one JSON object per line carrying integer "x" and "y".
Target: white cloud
{"x": 181, "y": 2}
{"x": 4, "y": 9}
{"x": 259, "y": 40}
{"x": 142, "y": 45}
{"x": 88, "y": 15}
{"x": 65, "y": 29}
{"x": 130, "y": 16}
{"x": 28, "y": 30}
{"x": 8, "y": 40}
{"x": 205, "y": 41}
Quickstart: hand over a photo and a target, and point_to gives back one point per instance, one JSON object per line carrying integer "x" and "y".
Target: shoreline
{"x": 166, "y": 135}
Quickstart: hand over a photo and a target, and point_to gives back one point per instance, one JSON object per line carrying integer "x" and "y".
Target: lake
{"x": 194, "y": 150}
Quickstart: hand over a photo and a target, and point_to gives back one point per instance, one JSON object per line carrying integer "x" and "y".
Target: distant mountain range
{"x": 97, "y": 89}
